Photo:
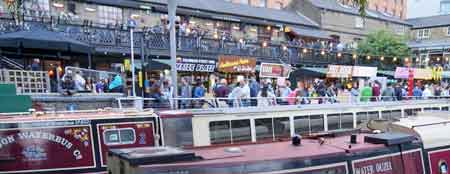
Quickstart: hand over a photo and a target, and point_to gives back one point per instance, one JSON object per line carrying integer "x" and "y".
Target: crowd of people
{"x": 250, "y": 92}
{"x": 75, "y": 82}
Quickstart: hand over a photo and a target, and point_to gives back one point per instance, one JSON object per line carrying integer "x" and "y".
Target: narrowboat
{"x": 71, "y": 142}
{"x": 79, "y": 141}
{"x": 413, "y": 145}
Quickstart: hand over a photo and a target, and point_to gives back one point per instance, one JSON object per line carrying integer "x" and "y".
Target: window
{"x": 317, "y": 123}
{"x": 423, "y": 33}
{"x": 340, "y": 121}
{"x": 36, "y": 7}
{"x": 240, "y": 131}
{"x": 229, "y": 131}
{"x": 301, "y": 124}
{"x": 119, "y": 136}
{"x": 359, "y": 22}
{"x": 268, "y": 128}
{"x": 244, "y": 1}
{"x": 412, "y": 112}
{"x": 445, "y": 7}
{"x": 109, "y": 15}
{"x": 261, "y": 3}
{"x": 219, "y": 132}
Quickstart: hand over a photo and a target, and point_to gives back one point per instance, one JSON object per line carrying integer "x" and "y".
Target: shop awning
{"x": 316, "y": 69}
{"x": 43, "y": 39}
{"x": 387, "y": 73}
{"x": 315, "y": 33}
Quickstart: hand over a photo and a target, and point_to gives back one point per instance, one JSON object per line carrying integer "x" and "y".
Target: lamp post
{"x": 172, "y": 7}
{"x": 131, "y": 25}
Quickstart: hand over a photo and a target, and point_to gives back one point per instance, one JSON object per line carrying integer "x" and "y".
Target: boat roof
{"x": 427, "y": 126}
{"x": 309, "y": 148}
{"x": 72, "y": 115}
{"x": 338, "y": 107}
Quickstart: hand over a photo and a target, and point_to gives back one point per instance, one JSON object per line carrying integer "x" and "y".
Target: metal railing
{"x": 208, "y": 103}
{"x": 27, "y": 82}
{"x": 117, "y": 39}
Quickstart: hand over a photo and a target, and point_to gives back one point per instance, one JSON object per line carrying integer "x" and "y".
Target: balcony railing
{"x": 119, "y": 39}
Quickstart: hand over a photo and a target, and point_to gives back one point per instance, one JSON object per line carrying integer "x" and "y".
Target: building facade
{"x": 430, "y": 40}
{"x": 397, "y": 8}
{"x": 275, "y": 4}
{"x": 426, "y": 8}
{"x": 343, "y": 22}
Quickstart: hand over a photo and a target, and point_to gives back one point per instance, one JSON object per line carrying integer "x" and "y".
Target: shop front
{"x": 194, "y": 69}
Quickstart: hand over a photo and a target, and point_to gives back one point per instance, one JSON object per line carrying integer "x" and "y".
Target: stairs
{"x": 8, "y": 63}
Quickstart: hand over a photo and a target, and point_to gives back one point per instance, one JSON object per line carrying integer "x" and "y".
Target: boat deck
{"x": 275, "y": 151}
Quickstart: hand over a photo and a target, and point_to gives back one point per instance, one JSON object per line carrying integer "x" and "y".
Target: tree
{"x": 384, "y": 43}
{"x": 15, "y": 9}
{"x": 362, "y": 4}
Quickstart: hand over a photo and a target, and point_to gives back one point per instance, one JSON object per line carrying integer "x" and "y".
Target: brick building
{"x": 344, "y": 24}
{"x": 430, "y": 40}
{"x": 390, "y": 7}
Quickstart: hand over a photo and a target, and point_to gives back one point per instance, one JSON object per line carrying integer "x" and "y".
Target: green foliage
{"x": 362, "y": 4}
{"x": 383, "y": 43}
{"x": 14, "y": 7}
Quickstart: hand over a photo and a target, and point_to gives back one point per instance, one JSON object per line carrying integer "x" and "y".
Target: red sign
{"x": 40, "y": 149}
{"x": 409, "y": 162}
{"x": 124, "y": 135}
{"x": 272, "y": 70}
{"x": 439, "y": 161}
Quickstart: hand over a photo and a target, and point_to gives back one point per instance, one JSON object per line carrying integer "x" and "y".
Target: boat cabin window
{"x": 272, "y": 128}
{"x": 412, "y": 112}
{"x": 317, "y": 123}
{"x": 119, "y": 136}
{"x": 362, "y": 117}
{"x": 301, "y": 125}
{"x": 444, "y": 108}
{"x": 340, "y": 121}
{"x": 347, "y": 121}
{"x": 309, "y": 124}
{"x": 222, "y": 132}
{"x": 432, "y": 109}
{"x": 391, "y": 115}
{"x": 240, "y": 131}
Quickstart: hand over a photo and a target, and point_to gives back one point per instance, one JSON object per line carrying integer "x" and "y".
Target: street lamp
{"x": 131, "y": 25}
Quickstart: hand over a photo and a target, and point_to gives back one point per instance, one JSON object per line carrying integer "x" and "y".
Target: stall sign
{"x": 364, "y": 71}
{"x": 401, "y": 73}
{"x": 419, "y": 73}
{"x": 423, "y": 74}
{"x": 196, "y": 65}
{"x": 339, "y": 71}
{"x": 237, "y": 64}
{"x": 272, "y": 70}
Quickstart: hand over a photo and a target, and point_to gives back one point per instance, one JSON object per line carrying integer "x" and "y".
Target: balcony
{"x": 116, "y": 40}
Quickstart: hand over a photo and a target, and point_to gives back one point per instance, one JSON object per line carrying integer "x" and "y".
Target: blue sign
{"x": 131, "y": 23}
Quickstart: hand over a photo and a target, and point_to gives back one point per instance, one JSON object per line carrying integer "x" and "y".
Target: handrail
{"x": 254, "y": 102}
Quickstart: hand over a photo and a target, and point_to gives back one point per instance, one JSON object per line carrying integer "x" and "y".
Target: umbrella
{"x": 43, "y": 39}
